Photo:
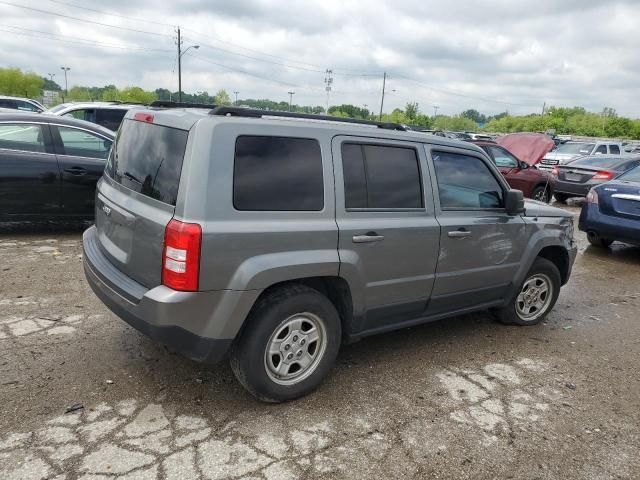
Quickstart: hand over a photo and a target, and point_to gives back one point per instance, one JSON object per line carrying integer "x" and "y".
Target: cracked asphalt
{"x": 461, "y": 398}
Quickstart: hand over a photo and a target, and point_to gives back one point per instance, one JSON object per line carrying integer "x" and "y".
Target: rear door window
{"x": 147, "y": 159}
{"x": 110, "y": 117}
{"x": 21, "y": 136}
{"x": 602, "y": 149}
{"x": 614, "y": 149}
{"x": 277, "y": 174}
{"x": 381, "y": 177}
{"x": 81, "y": 143}
{"x": 466, "y": 182}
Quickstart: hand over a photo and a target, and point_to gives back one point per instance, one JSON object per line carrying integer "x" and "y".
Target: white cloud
{"x": 489, "y": 55}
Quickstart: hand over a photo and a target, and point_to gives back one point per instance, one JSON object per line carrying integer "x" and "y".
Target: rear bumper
{"x": 609, "y": 227}
{"x": 569, "y": 188}
{"x": 199, "y": 325}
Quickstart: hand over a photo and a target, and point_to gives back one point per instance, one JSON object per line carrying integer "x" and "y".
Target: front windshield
{"x": 57, "y": 108}
{"x": 576, "y": 148}
{"x": 632, "y": 175}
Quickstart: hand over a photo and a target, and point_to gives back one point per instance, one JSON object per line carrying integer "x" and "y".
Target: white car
{"x": 20, "y": 103}
{"x": 567, "y": 152}
{"x": 107, "y": 114}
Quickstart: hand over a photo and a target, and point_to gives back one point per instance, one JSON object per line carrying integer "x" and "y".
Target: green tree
{"x": 14, "y": 81}
{"x": 411, "y": 110}
{"x": 137, "y": 95}
{"x": 222, "y": 98}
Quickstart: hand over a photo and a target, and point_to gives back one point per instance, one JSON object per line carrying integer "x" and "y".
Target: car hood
{"x": 528, "y": 147}
{"x": 533, "y": 208}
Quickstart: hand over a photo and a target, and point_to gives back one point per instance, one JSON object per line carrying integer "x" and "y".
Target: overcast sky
{"x": 490, "y": 55}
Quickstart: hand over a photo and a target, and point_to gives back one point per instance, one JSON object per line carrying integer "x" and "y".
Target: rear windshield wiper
{"x": 132, "y": 177}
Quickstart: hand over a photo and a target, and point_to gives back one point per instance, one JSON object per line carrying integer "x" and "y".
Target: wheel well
{"x": 336, "y": 289}
{"x": 560, "y": 258}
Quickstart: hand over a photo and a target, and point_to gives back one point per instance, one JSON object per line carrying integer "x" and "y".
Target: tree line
{"x": 569, "y": 121}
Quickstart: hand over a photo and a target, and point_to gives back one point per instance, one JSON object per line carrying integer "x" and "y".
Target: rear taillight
{"x": 604, "y": 175}
{"x": 555, "y": 172}
{"x": 592, "y": 197}
{"x": 143, "y": 117}
{"x": 181, "y": 256}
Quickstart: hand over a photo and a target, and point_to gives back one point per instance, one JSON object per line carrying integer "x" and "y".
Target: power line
{"x": 75, "y": 40}
{"x": 47, "y": 12}
{"x": 70, "y": 4}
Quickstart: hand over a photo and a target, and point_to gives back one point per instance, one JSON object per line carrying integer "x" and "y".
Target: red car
{"x": 534, "y": 183}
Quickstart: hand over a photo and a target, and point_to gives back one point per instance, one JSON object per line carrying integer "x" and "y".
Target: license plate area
{"x": 572, "y": 177}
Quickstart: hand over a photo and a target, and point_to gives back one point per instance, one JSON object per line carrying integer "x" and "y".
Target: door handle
{"x": 369, "y": 237}
{"x": 459, "y": 234}
{"x": 76, "y": 171}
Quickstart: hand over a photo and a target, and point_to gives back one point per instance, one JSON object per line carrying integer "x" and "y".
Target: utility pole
{"x": 290, "y": 99}
{"x": 544, "y": 106}
{"x": 435, "y": 111}
{"x": 66, "y": 85}
{"x": 236, "y": 102}
{"x": 384, "y": 83}
{"x": 179, "y": 42}
{"x": 328, "y": 81}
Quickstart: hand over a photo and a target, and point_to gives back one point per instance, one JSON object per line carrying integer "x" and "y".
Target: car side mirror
{"x": 514, "y": 202}
{"x": 524, "y": 165}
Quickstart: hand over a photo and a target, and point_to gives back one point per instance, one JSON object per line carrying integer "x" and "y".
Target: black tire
{"x": 541, "y": 193}
{"x": 543, "y": 268}
{"x": 561, "y": 197}
{"x": 597, "y": 241}
{"x": 248, "y": 352}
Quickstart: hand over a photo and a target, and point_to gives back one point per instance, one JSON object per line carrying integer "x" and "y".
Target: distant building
{"x": 50, "y": 97}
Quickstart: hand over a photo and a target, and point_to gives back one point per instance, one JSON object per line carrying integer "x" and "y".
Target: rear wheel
{"x": 561, "y": 197}
{"x": 541, "y": 193}
{"x": 597, "y": 241}
{"x": 536, "y": 296}
{"x": 288, "y": 345}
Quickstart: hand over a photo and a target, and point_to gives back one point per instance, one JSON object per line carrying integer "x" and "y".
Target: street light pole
{"x": 435, "y": 111}
{"x": 290, "y": 99}
{"x": 236, "y": 102}
{"x": 66, "y": 85}
{"x": 180, "y": 54}
{"x": 384, "y": 83}
{"x": 51, "y": 75}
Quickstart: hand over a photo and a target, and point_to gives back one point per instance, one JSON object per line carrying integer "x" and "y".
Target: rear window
{"x": 576, "y": 148}
{"x": 147, "y": 159}
{"x": 600, "y": 162}
{"x": 631, "y": 176}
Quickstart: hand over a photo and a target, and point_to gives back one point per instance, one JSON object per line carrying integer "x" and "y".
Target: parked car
{"x": 275, "y": 239}
{"x": 570, "y": 151}
{"x": 578, "y": 177}
{"x": 534, "y": 183}
{"x": 612, "y": 211}
{"x": 107, "y": 114}
{"x": 49, "y": 166}
{"x": 458, "y": 135}
{"x": 22, "y": 104}
{"x": 528, "y": 147}
{"x": 632, "y": 148}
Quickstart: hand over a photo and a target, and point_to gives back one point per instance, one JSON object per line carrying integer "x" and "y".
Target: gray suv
{"x": 275, "y": 237}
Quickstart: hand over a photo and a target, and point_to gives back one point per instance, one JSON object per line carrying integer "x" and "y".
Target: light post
{"x": 51, "y": 75}
{"x": 236, "y": 102}
{"x": 66, "y": 85}
{"x": 290, "y": 98}
{"x": 180, "y": 54}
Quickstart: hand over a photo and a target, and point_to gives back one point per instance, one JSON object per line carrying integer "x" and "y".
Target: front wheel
{"x": 597, "y": 241}
{"x": 289, "y": 344}
{"x": 536, "y": 296}
{"x": 541, "y": 193}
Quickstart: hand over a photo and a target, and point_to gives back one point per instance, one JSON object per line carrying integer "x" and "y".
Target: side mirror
{"x": 514, "y": 202}
{"x": 524, "y": 165}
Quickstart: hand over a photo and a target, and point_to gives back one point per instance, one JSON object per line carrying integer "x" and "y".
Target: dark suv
{"x": 534, "y": 183}
{"x": 276, "y": 236}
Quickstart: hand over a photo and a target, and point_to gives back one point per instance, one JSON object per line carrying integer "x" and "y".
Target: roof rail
{"x": 168, "y": 104}
{"x": 255, "y": 113}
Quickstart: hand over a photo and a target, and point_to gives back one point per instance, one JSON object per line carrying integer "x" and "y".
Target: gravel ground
{"x": 460, "y": 398}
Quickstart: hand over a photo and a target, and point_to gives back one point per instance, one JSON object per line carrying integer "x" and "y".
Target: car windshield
{"x": 600, "y": 162}
{"x": 580, "y": 148}
{"x": 57, "y": 108}
{"x": 632, "y": 175}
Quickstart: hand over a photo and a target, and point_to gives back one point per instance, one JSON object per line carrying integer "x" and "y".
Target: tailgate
{"x": 136, "y": 198}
